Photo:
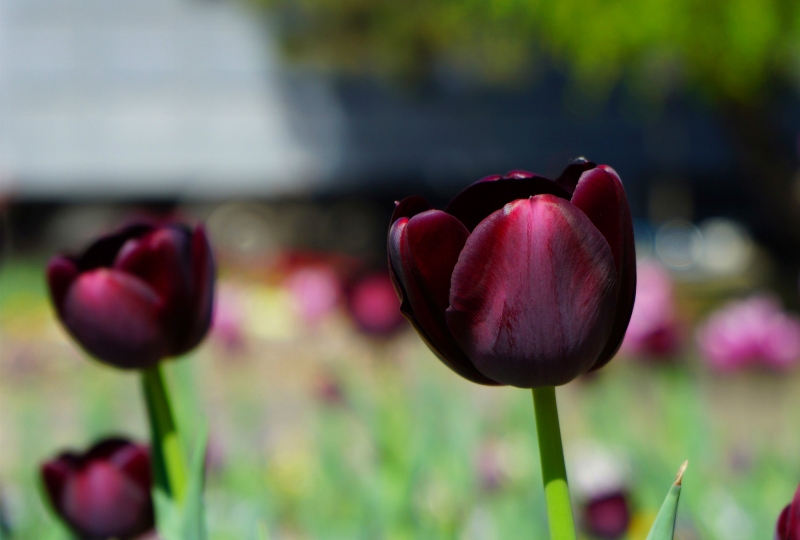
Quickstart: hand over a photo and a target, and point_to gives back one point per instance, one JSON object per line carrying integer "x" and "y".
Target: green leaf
{"x": 168, "y": 515}
{"x": 185, "y": 520}
{"x": 664, "y": 526}
{"x": 263, "y": 533}
{"x": 194, "y": 525}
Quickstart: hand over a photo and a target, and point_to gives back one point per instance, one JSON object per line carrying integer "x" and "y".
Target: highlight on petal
{"x": 422, "y": 252}
{"x": 533, "y": 293}
{"x": 600, "y": 195}
{"x": 116, "y": 317}
{"x": 409, "y": 207}
{"x": 490, "y": 194}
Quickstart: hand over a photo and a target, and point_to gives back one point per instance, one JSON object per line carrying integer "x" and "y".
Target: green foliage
{"x": 732, "y": 49}
{"x": 664, "y": 525}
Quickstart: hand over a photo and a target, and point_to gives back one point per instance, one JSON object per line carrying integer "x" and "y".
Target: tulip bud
{"x": 104, "y": 493}
{"x": 521, "y": 280}
{"x": 788, "y": 527}
{"x": 136, "y": 296}
{"x": 607, "y": 516}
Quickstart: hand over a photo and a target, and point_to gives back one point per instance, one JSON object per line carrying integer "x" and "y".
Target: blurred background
{"x": 289, "y": 128}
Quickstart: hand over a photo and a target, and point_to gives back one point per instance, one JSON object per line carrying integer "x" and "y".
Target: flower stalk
{"x": 554, "y": 472}
{"x": 168, "y": 456}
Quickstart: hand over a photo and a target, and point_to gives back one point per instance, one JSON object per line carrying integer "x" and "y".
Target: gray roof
{"x": 170, "y": 97}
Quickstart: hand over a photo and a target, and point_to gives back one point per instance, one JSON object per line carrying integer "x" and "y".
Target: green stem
{"x": 168, "y": 457}
{"x": 554, "y": 472}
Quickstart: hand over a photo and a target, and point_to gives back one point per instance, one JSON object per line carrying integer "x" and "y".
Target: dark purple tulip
{"x": 607, "y": 516}
{"x": 521, "y": 280}
{"x": 104, "y": 493}
{"x": 788, "y": 527}
{"x": 137, "y": 296}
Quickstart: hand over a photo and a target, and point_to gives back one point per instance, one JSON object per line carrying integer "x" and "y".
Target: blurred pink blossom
{"x": 754, "y": 331}
{"x": 374, "y": 305}
{"x": 316, "y": 291}
{"x": 654, "y": 330}
{"x": 227, "y": 325}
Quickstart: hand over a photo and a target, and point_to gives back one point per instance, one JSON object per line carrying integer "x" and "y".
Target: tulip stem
{"x": 554, "y": 472}
{"x": 168, "y": 457}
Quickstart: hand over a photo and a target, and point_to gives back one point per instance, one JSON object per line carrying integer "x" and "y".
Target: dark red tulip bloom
{"x": 104, "y": 493}
{"x": 788, "y": 527}
{"x": 521, "y": 280}
{"x": 137, "y": 296}
{"x": 608, "y": 516}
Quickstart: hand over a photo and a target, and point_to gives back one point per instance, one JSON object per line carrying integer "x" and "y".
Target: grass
{"x": 400, "y": 454}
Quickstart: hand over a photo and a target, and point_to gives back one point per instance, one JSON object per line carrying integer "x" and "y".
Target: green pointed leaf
{"x": 664, "y": 525}
{"x": 194, "y": 523}
{"x": 168, "y": 516}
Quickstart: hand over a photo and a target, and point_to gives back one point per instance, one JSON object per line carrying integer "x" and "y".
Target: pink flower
{"x": 316, "y": 291}
{"x": 374, "y": 306}
{"x": 227, "y": 324}
{"x": 754, "y": 331}
{"x": 654, "y": 330}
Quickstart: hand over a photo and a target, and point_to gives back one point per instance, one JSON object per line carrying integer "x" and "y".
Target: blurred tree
{"x": 738, "y": 54}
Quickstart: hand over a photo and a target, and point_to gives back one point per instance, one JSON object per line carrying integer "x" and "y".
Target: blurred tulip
{"x": 600, "y": 477}
{"x": 521, "y": 280}
{"x": 491, "y": 467}
{"x": 654, "y": 330}
{"x": 788, "y": 526}
{"x": 607, "y": 516}
{"x": 137, "y": 296}
{"x": 328, "y": 389}
{"x": 316, "y": 291}
{"x": 754, "y": 331}
{"x": 373, "y": 305}
{"x": 104, "y": 493}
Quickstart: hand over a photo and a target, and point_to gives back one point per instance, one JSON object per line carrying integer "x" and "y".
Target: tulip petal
{"x": 532, "y": 293}
{"x": 163, "y": 260}
{"x": 422, "y": 252}
{"x": 101, "y": 502}
{"x": 788, "y": 526}
{"x": 104, "y": 250}
{"x": 409, "y": 207}
{"x": 600, "y": 195}
{"x": 490, "y": 194}
{"x": 54, "y": 476}
{"x": 202, "y": 291}
{"x": 569, "y": 178}
{"x": 134, "y": 461}
{"x": 61, "y": 272}
{"x": 116, "y": 317}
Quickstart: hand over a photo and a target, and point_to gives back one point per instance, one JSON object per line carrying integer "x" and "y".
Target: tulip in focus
{"x": 788, "y": 526}
{"x": 754, "y": 331}
{"x": 654, "y": 331}
{"x": 104, "y": 493}
{"x": 373, "y": 305}
{"x": 137, "y": 296}
{"x": 520, "y": 280}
